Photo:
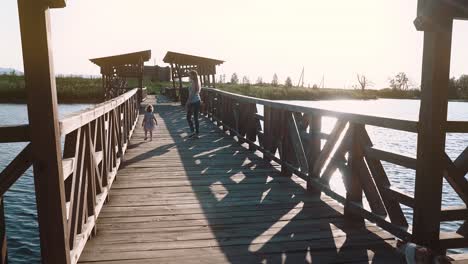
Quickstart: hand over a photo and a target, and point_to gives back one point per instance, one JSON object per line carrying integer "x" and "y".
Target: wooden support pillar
{"x": 214, "y": 81}
{"x": 354, "y": 192}
{"x": 431, "y": 136}
{"x": 208, "y": 80}
{"x": 314, "y": 147}
{"x": 44, "y": 130}
{"x": 173, "y": 76}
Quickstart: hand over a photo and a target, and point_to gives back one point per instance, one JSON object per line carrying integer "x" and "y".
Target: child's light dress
{"x": 148, "y": 121}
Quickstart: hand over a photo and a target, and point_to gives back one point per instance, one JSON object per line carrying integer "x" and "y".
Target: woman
{"x": 193, "y": 104}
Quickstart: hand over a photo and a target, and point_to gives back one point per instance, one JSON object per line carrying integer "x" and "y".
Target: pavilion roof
{"x": 186, "y": 59}
{"x": 122, "y": 59}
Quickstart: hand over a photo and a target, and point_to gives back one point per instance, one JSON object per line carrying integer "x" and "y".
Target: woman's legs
{"x": 146, "y": 133}
{"x": 189, "y": 117}
{"x": 196, "y": 111}
{"x": 151, "y": 135}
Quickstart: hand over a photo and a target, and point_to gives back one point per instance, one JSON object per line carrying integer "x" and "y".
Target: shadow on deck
{"x": 211, "y": 200}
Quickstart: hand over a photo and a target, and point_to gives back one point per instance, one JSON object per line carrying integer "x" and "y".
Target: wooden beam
{"x": 397, "y": 159}
{"x": 454, "y": 213}
{"x": 431, "y": 136}
{"x": 400, "y": 196}
{"x": 353, "y": 180}
{"x": 57, "y": 3}
{"x": 15, "y": 169}
{"x": 381, "y": 180}
{"x": 44, "y": 131}
{"x": 10, "y": 134}
{"x": 297, "y": 144}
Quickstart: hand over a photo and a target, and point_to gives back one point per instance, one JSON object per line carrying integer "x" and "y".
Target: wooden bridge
{"x": 254, "y": 188}
{"x": 177, "y": 200}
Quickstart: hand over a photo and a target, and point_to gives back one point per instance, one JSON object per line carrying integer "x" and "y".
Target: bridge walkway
{"x": 211, "y": 200}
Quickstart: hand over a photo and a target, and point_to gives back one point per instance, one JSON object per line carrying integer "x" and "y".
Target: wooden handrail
{"x": 79, "y": 119}
{"x": 95, "y": 141}
{"x": 398, "y": 124}
{"x": 295, "y": 131}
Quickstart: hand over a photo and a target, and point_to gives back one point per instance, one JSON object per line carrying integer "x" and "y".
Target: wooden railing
{"x": 295, "y": 132}
{"x": 95, "y": 142}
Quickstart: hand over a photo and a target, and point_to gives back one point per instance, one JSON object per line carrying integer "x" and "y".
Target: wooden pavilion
{"x": 181, "y": 64}
{"x": 116, "y": 69}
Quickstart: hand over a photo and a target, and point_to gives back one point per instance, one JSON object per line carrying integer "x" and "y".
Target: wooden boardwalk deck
{"x": 211, "y": 200}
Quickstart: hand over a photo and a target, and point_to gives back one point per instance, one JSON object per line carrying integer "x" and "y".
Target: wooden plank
{"x": 456, "y": 127}
{"x": 431, "y": 137}
{"x": 44, "y": 131}
{"x": 297, "y": 144}
{"x": 452, "y": 240}
{"x": 10, "y": 134}
{"x": 400, "y": 196}
{"x": 454, "y": 213}
{"x": 394, "y": 158}
{"x": 353, "y": 179}
{"x": 15, "y": 169}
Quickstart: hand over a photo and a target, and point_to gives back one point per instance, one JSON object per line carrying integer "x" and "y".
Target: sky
{"x": 331, "y": 39}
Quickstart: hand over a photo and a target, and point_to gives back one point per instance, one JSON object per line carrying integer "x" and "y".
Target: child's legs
{"x": 146, "y": 133}
{"x": 151, "y": 134}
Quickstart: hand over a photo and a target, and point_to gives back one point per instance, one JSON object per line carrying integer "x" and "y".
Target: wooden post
{"x": 214, "y": 81}
{"x": 431, "y": 136}
{"x": 354, "y": 191}
{"x": 314, "y": 147}
{"x": 44, "y": 130}
{"x": 173, "y": 75}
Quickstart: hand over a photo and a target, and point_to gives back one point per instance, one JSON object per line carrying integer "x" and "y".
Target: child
{"x": 149, "y": 121}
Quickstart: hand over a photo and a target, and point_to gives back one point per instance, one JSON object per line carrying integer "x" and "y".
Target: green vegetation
{"x": 70, "y": 89}
{"x": 281, "y": 92}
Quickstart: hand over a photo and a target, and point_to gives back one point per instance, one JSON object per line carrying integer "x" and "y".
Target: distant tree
{"x": 315, "y": 86}
{"x": 399, "y": 82}
{"x": 363, "y": 81}
{"x": 453, "y": 88}
{"x": 234, "y": 78}
{"x": 274, "y": 82}
{"x": 288, "y": 82}
{"x": 259, "y": 81}
{"x": 462, "y": 84}
{"x": 245, "y": 80}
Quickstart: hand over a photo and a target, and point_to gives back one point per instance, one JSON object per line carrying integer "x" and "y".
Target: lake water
{"x": 20, "y": 207}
